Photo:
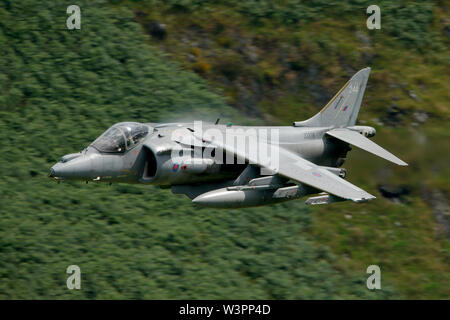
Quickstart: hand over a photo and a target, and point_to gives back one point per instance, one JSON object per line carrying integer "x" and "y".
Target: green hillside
{"x": 60, "y": 89}
{"x": 282, "y": 61}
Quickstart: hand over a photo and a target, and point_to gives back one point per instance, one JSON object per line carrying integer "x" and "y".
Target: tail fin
{"x": 343, "y": 109}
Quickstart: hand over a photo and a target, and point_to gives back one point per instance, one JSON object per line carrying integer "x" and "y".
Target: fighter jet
{"x": 228, "y": 166}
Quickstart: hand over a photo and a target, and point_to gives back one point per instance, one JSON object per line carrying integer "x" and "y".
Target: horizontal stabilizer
{"x": 360, "y": 141}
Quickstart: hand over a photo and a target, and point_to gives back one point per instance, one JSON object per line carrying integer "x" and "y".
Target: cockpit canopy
{"x": 121, "y": 137}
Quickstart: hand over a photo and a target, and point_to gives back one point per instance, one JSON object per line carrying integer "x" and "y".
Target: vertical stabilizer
{"x": 343, "y": 109}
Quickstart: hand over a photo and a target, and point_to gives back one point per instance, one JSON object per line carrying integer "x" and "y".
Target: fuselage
{"x": 169, "y": 154}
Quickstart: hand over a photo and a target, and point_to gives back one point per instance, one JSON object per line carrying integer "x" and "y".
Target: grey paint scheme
{"x": 310, "y": 153}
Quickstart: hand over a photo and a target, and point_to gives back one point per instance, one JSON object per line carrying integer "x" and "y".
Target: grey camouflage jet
{"x": 206, "y": 163}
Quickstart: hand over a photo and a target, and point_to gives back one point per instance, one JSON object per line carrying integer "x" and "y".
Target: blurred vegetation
{"x": 281, "y": 61}
{"x": 60, "y": 89}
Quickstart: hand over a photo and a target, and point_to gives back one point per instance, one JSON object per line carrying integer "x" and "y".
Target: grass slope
{"x": 282, "y": 60}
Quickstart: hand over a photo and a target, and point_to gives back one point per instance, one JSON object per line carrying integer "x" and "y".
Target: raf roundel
{"x": 175, "y": 167}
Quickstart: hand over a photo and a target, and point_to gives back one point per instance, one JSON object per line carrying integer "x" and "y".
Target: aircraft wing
{"x": 298, "y": 169}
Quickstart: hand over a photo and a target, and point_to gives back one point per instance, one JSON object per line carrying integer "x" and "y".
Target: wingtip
{"x": 401, "y": 163}
{"x": 365, "y": 199}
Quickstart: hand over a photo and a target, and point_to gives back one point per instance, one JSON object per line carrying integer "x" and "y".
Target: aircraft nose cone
{"x": 59, "y": 170}
{"x": 79, "y": 168}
